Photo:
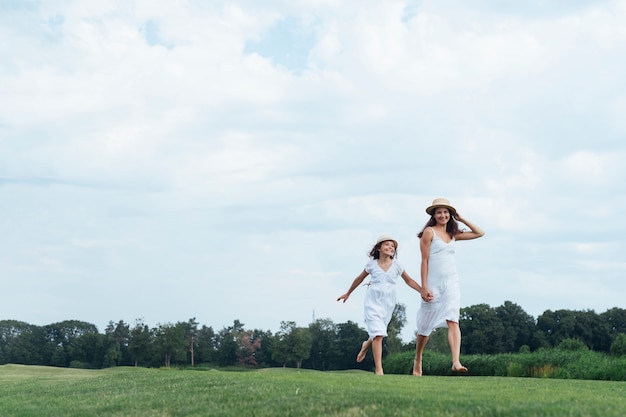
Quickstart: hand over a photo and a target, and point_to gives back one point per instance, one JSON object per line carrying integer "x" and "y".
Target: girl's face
{"x": 387, "y": 248}
{"x": 442, "y": 215}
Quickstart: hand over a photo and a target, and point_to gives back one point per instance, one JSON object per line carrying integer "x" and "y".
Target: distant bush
{"x": 572, "y": 344}
{"x": 566, "y": 362}
{"x": 79, "y": 365}
{"x": 618, "y": 347}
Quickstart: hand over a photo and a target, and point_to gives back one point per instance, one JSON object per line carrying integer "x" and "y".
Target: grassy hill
{"x": 44, "y": 391}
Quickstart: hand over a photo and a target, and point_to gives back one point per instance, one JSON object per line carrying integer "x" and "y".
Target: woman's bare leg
{"x": 454, "y": 339}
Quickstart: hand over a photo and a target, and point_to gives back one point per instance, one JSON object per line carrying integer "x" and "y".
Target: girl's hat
{"x": 440, "y": 202}
{"x": 384, "y": 238}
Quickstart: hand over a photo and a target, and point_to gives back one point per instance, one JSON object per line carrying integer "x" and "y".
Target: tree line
{"x": 322, "y": 345}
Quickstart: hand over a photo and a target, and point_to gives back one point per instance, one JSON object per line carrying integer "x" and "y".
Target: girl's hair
{"x": 452, "y": 227}
{"x": 375, "y": 252}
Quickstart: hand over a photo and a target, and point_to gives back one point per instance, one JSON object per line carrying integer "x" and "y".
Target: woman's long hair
{"x": 452, "y": 227}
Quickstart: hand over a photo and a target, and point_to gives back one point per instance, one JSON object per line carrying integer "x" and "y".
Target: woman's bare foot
{"x": 362, "y": 352}
{"x": 457, "y": 367}
{"x": 417, "y": 367}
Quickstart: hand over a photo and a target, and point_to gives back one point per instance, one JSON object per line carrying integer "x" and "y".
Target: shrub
{"x": 572, "y": 344}
{"x": 544, "y": 363}
{"x": 618, "y": 347}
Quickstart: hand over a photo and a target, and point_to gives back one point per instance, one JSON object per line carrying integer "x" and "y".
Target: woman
{"x": 441, "y": 295}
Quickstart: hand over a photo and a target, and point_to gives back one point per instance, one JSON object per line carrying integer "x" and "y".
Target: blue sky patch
{"x": 287, "y": 43}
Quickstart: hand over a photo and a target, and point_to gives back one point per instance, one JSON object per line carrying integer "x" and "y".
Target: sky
{"x": 236, "y": 160}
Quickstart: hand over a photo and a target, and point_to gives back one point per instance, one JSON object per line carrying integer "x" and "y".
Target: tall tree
{"x": 323, "y": 344}
{"x": 587, "y": 326}
{"x": 205, "y": 349}
{"x": 616, "y": 320}
{"x": 119, "y": 334}
{"x": 294, "y": 344}
{"x": 227, "y": 342}
{"x": 518, "y": 326}
{"x": 349, "y": 339}
{"x": 140, "y": 343}
{"x": 393, "y": 344}
{"x": 482, "y": 330}
{"x": 22, "y": 343}
{"x": 170, "y": 342}
{"x": 63, "y": 336}
{"x": 191, "y": 333}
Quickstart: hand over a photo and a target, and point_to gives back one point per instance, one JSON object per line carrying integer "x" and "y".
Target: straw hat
{"x": 384, "y": 238}
{"x": 440, "y": 202}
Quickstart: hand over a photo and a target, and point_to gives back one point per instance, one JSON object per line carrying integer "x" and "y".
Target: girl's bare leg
{"x": 454, "y": 339}
{"x": 419, "y": 350}
{"x": 364, "y": 348}
{"x": 377, "y": 351}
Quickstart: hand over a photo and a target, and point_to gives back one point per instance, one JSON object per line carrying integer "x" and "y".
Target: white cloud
{"x": 207, "y": 180}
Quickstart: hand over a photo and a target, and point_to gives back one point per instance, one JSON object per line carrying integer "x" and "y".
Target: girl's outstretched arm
{"x": 357, "y": 281}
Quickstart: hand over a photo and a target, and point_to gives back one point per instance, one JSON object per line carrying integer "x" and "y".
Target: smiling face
{"x": 441, "y": 215}
{"x": 388, "y": 247}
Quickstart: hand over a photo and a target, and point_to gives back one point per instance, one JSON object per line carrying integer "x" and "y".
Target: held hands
{"x": 426, "y": 294}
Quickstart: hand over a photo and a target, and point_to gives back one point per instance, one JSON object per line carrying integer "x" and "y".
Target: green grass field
{"x": 44, "y": 391}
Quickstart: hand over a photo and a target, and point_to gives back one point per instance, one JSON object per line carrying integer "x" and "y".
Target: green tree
{"x": 63, "y": 336}
{"x": 349, "y": 339}
{"x": 393, "y": 342}
{"x": 89, "y": 351}
{"x": 618, "y": 347}
{"x": 205, "y": 349}
{"x": 482, "y": 330}
{"x": 294, "y": 344}
{"x": 518, "y": 326}
{"x": 616, "y": 320}
{"x": 227, "y": 343}
{"x": 170, "y": 342}
{"x": 323, "y": 345}
{"x": 587, "y": 326}
{"x": 191, "y": 334}
{"x": 119, "y": 336}
{"x": 22, "y": 343}
{"x": 140, "y": 343}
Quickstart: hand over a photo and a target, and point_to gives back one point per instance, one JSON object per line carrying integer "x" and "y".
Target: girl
{"x": 380, "y": 299}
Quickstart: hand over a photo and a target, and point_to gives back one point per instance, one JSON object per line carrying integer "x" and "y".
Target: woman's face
{"x": 441, "y": 215}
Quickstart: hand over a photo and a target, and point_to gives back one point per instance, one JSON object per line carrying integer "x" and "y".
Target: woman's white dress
{"x": 443, "y": 282}
{"x": 380, "y": 299}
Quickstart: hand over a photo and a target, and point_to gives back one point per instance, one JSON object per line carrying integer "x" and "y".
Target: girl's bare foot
{"x": 457, "y": 367}
{"x": 417, "y": 367}
{"x": 362, "y": 352}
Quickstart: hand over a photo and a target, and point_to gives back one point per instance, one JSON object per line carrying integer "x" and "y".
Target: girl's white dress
{"x": 380, "y": 299}
{"x": 443, "y": 282}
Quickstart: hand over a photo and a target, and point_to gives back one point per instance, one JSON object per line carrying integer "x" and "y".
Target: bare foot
{"x": 417, "y": 367}
{"x": 458, "y": 368}
{"x": 362, "y": 352}
{"x": 380, "y": 373}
